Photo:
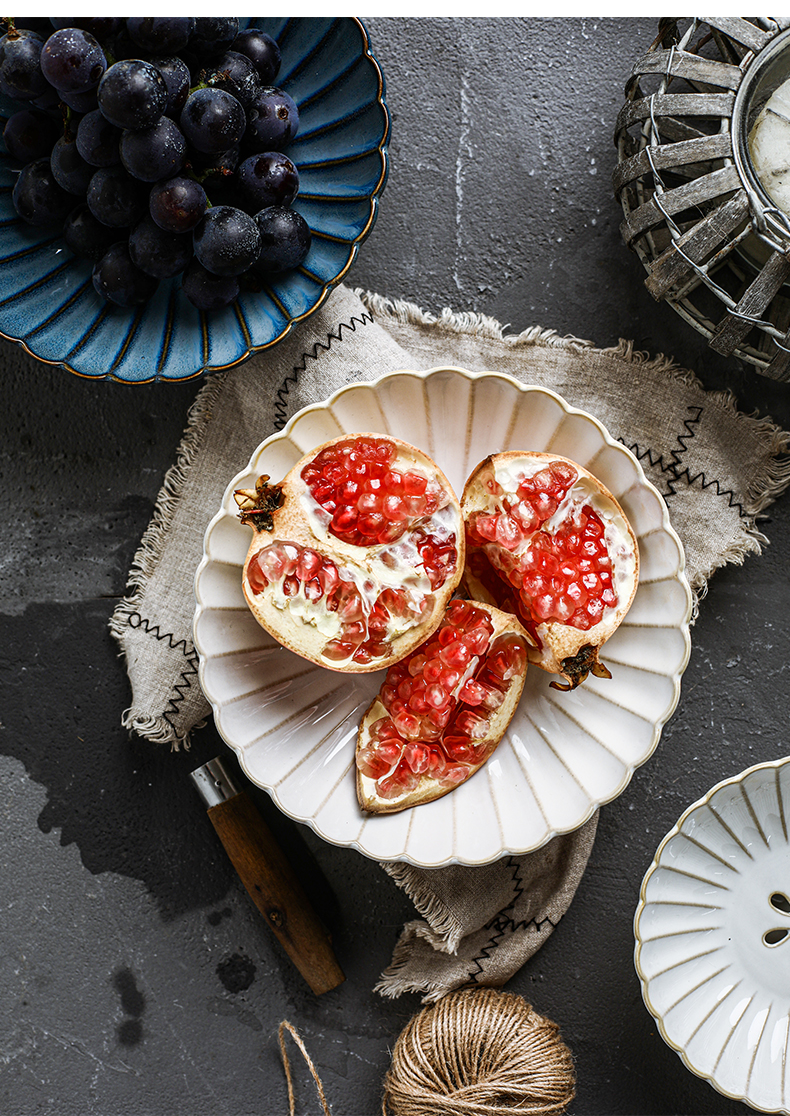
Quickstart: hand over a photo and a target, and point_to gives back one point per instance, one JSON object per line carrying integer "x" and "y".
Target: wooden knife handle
{"x": 276, "y": 891}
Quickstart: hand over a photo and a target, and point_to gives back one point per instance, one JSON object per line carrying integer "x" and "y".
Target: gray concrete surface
{"x": 135, "y": 976}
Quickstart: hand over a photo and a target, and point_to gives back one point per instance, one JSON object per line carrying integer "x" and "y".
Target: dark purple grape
{"x": 177, "y": 205}
{"x": 236, "y": 74}
{"x": 159, "y": 253}
{"x": 262, "y": 51}
{"x": 213, "y": 35}
{"x": 272, "y": 121}
{"x": 175, "y": 74}
{"x": 269, "y": 178}
{"x": 98, "y": 140}
{"x": 69, "y": 169}
{"x": 285, "y": 239}
{"x": 85, "y": 236}
{"x": 20, "y": 70}
{"x": 118, "y": 280}
{"x": 37, "y": 197}
{"x": 115, "y": 198}
{"x": 227, "y": 241}
{"x": 132, "y": 94}
{"x": 212, "y": 120}
{"x": 72, "y": 60}
{"x": 160, "y": 34}
{"x": 29, "y": 134}
{"x": 207, "y": 291}
{"x": 153, "y": 153}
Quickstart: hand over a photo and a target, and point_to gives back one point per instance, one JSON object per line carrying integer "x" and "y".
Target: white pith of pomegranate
{"x": 356, "y": 553}
{"x": 548, "y": 542}
{"x": 442, "y": 710}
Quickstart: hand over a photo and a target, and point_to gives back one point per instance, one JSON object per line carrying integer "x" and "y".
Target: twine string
{"x": 286, "y": 1026}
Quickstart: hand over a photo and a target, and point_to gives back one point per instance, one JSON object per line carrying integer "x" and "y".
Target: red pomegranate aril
{"x": 369, "y": 502}
{"x": 379, "y": 760}
{"x": 313, "y": 590}
{"x": 450, "y": 677}
{"x": 439, "y": 717}
{"x": 256, "y": 577}
{"x": 472, "y": 692}
{"x": 456, "y": 655}
{"x": 414, "y": 484}
{"x": 447, "y": 634}
{"x": 402, "y": 781}
{"x": 436, "y": 696}
{"x": 417, "y": 756}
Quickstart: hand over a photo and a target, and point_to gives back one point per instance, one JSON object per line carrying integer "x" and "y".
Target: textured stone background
{"x": 135, "y": 976}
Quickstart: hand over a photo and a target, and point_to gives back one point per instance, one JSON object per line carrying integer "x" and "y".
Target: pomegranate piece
{"x": 355, "y": 554}
{"x": 431, "y": 728}
{"x": 548, "y": 542}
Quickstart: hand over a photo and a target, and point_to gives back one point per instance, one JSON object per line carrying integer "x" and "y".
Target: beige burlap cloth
{"x": 716, "y": 468}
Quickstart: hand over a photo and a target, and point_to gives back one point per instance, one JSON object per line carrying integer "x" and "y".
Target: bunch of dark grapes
{"x": 156, "y": 145}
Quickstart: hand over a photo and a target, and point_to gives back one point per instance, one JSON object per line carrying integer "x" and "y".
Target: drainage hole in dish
{"x": 780, "y": 902}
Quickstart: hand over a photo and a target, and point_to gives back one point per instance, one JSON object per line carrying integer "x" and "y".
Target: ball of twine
{"x": 479, "y": 1052}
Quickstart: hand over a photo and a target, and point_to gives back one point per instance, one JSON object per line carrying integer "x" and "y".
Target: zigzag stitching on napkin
{"x": 691, "y": 425}
{"x": 503, "y": 923}
{"x": 502, "y": 926}
{"x": 281, "y": 398}
{"x": 675, "y": 476}
{"x": 187, "y": 674}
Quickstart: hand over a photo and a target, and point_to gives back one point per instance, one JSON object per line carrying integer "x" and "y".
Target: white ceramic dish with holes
{"x": 293, "y": 725}
{"x": 713, "y": 937}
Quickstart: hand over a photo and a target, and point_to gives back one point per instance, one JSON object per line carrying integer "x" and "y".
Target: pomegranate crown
{"x": 258, "y": 504}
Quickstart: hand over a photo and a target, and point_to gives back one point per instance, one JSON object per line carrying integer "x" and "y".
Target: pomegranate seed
{"x": 400, "y": 782}
{"x": 432, "y": 671}
{"x": 291, "y": 586}
{"x": 379, "y": 761}
{"x": 449, "y": 678}
{"x": 439, "y": 717}
{"x": 472, "y": 692}
{"x": 313, "y": 590}
{"x": 255, "y": 576}
{"x": 437, "y": 696}
{"x": 345, "y": 520}
{"x": 456, "y": 655}
{"x": 370, "y": 524}
{"x": 417, "y": 756}
{"x": 414, "y": 484}
{"x": 328, "y": 577}
{"x": 407, "y": 725}
{"x": 453, "y": 774}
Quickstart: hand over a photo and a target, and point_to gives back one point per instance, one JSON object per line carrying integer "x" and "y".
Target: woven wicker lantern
{"x": 703, "y": 176}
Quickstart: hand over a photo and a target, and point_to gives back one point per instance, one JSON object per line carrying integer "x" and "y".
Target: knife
{"x": 268, "y": 876}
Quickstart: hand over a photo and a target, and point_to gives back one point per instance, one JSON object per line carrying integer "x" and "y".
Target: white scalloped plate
{"x": 712, "y": 935}
{"x": 293, "y": 725}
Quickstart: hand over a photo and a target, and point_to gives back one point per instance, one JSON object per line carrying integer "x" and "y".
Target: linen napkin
{"x": 717, "y": 469}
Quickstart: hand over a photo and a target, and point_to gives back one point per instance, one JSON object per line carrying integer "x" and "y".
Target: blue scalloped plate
{"x": 47, "y": 300}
